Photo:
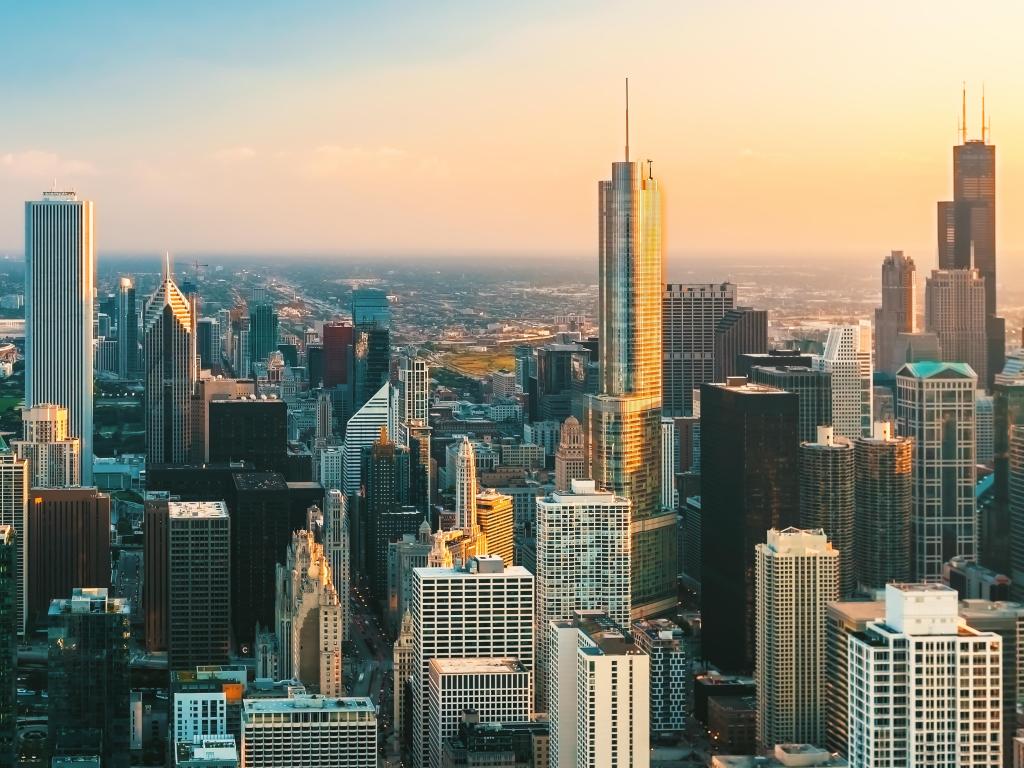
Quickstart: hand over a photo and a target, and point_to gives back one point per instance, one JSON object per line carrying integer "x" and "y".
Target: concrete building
{"x": 935, "y": 407}
{"x": 404, "y": 556}
{"x": 570, "y": 458}
{"x": 898, "y": 313}
{"x": 198, "y": 585}
{"x": 884, "y": 506}
{"x": 500, "y": 745}
{"x": 495, "y": 601}
{"x": 60, "y": 273}
{"x": 847, "y": 358}
{"x": 583, "y": 561}
{"x": 827, "y": 473}
{"x": 54, "y": 457}
{"x": 414, "y": 389}
{"x": 984, "y": 429}
{"x": 497, "y": 690}
{"x": 307, "y": 731}
{"x": 798, "y": 574}
{"x": 599, "y": 702}
{"x": 671, "y": 678}
{"x": 207, "y": 752}
{"x": 843, "y": 619}
{"x": 955, "y": 313}
{"x": 783, "y": 756}
{"x": 973, "y": 581}
{"x": 337, "y": 552}
{"x": 403, "y": 658}
{"x": 949, "y": 708}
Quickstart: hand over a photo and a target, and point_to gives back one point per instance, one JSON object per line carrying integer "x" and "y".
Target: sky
{"x": 790, "y": 129}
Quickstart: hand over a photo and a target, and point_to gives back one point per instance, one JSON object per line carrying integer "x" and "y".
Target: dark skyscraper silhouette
{"x": 750, "y": 483}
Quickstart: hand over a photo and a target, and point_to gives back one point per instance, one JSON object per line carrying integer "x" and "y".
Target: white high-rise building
{"x": 14, "y": 487}
{"x": 331, "y": 463}
{"x": 362, "y": 430}
{"x": 847, "y": 358}
{"x": 935, "y": 406}
{"x": 169, "y": 352}
{"x": 925, "y": 689}
{"x": 480, "y": 610}
{"x": 583, "y": 561}
{"x": 336, "y": 550}
{"x": 128, "y": 330}
{"x": 308, "y": 614}
{"x": 796, "y": 575}
{"x": 600, "y": 698}
{"x": 60, "y": 275}
{"x": 307, "y": 731}
{"x": 498, "y": 690}
{"x": 668, "y": 463}
{"x": 198, "y": 713}
{"x": 465, "y": 486}
{"x": 54, "y": 456}
{"x": 414, "y": 389}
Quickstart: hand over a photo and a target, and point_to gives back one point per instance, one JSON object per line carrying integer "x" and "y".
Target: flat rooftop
{"x": 476, "y": 666}
{"x": 307, "y": 703}
{"x": 197, "y": 509}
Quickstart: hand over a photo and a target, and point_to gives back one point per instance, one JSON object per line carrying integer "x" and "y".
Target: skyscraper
{"x": 155, "y": 592}
{"x": 740, "y": 331}
{"x": 813, "y": 387}
{"x": 797, "y": 576}
{"x": 689, "y": 314}
{"x": 60, "y": 273}
{"x": 898, "y": 311}
{"x": 570, "y": 457}
{"x": 496, "y": 601}
{"x": 54, "y": 457}
{"x": 967, "y": 230}
{"x": 583, "y": 560}
{"x": 947, "y": 709}
{"x": 263, "y": 326}
{"x": 671, "y": 673}
{"x": 89, "y": 637}
{"x": 884, "y": 504}
{"x": 625, "y": 418}
{"x": 827, "y": 501}
{"x": 465, "y": 486}
{"x": 844, "y": 618}
{"x": 847, "y": 358}
{"x": 170, "y": 363}
{"x": 494, "y": 516}
{"x": 10, "y": 621}
{"x": 955, "y": 313}
{"x": 336, "y": 549}
{"x": 935, "y": 406}
{"x": 14, "y": 485}
{"x": 363, "y": 428}
{"x": 198, "y": 585}
{"x": 414, "y": 387}
{"x": 128, "y": 330}
{"x": 750, "y": 483}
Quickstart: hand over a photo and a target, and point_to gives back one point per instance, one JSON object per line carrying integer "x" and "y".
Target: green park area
{"x": 479, "y": 364}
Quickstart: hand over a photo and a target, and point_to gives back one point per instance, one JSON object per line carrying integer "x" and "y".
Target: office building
{"x": 773, "y": 358}
{"x": 570, "y": 457}
{"x": 948, "y": 708}
{"x": 199, "y": 592}
{"x": 955, "y": 313}
{"x": 89, "y": 636}
{"x": 206, "y": 342}
{"x": 337, "y": 550}
{"x": 883, "y": 507}
{"x": 843, "y": 619}
{"x": 14, "y": 489}
{"x": 847, "y": 358}
{"x": 1015, "y": 492}
{"x": 583, "y": 560}
{"x": 898, "y": 313}
{"x": 503, "y": 383}
{"x": 309, "y": 731}
{"x": 170, "y": 361}
{"x": 935, "y": 407}
{"x": 338, "y": 340}
{"x": 371, "y": 359}
{"x": 624, "y": 419}
{"x": 10, "y": 625}
{"x": 599, "y": 708}
{"x": 363, "y": 429}
{"x": 60, "y": 271}
{"x": 68, "y": 545}
{"x": 414, "y": 387}
{"x": 689, "y": 314}
{"x": 519, "y": 745}
{"x": 497, "y": 601}
{"x": 402, "y": 667}
{"x": 967, "y": 230}
{"x": 404, "y": 555}
{"x": 497, "y": 690}
{"x": 668, "y": 463}
{"x": 827, "y": 473}
{"x": 973, "y": 581}
{"x": 249, "y": 429}
{"x": 750, "y": 483}
{"x": 128, "y": 330}
{"x": 740, "y": 331}
{"x": 54, "y": 457}
{"x": 465, "y": 486}
{"x": 813, "y": 387}
{"x": 263, "y": 326}
{"x": 209, "y": 388}
{"x": 494, "y": 516}
{"x": 308, "y": 618}
{"x": 782, "y": 756}
{"x": 553, "y": 382}
{"x": 984, "y": 429}
{"x": 207, "y": 752}
{"x": 798, "y": 574}
{"x": 671, "y": 678}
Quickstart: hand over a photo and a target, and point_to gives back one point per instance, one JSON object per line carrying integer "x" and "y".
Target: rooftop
{"x": 260, "y": 481}
{"x": 197, "y": 509}
{"x": 476, "y": 666}
{"x": 308, "y": 702}
{"x": 609, "y": 639}
{"x": 930, "y": 369}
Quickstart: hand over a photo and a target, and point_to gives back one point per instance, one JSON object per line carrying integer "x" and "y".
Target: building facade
{"x": 54, "y": 457}
{"x": 898, "y": 313}
{"x": 827, "y": 475}
{"x": 847, "y": 357}
{"x": 955, "y": 313}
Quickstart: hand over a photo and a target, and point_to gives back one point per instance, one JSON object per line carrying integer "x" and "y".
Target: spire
{"x": 167, "y": 266}
{"x": 963, "y": 113}
{"x": 627, "y": 119}
{"x": 982, "y": 113}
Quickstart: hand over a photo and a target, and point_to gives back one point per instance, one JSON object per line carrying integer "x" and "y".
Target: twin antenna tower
{"x": 961, "y": 128}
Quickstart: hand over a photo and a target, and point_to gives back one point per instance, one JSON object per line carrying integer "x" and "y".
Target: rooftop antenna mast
{"x": 982, "y": 113}
{"x": 963, "y": 112}
{"x": 627, "y": 119}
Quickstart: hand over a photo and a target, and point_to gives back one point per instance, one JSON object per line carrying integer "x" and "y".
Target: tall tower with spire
{"x": 967, "y": 227}
{"x": 170, "y": 372}
{"x": 624, "y": 418}
{"x": 465, "y": 486}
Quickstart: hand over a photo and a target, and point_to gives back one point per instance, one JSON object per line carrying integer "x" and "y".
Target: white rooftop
{"x": 197, "y": 509}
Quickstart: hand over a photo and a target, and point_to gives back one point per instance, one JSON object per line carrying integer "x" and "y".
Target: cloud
{"x": 36, "y": 163}
{"x": 330, "y": 159}
{"x": 234, "y": 154}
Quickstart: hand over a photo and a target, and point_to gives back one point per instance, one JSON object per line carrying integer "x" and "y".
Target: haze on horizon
{"x": 796, "y": 127}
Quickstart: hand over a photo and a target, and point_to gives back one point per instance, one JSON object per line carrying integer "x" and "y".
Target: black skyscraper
{"x": 750, "y": 483}
{"x": 250, "y": 430}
